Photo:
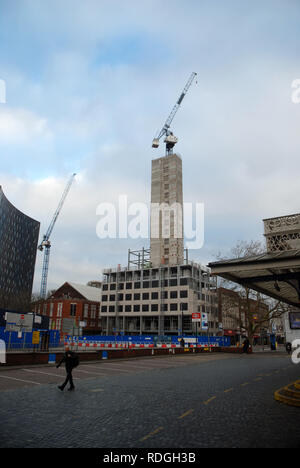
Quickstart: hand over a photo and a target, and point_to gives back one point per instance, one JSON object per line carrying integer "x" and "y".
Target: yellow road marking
{"x": 186, "y": 414}
{"x": 209, "y": 400}
{"x": 245, "y": 383}
{"x": 257, "y": 379}
{"x": 228, "y": 390}
{"x": 152, "y": 433}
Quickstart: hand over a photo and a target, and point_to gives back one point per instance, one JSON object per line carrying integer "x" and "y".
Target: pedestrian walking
{"x": 246, "y": 345}
{"x": 71, "y": 360}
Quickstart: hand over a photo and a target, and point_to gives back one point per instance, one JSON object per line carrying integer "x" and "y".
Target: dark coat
{"x": 69, "y": 360}
{"x": 246, "y": 345}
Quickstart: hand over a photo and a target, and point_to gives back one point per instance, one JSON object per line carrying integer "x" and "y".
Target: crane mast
{"x": 46, "y": 244}
{"x": 171, "y": 139}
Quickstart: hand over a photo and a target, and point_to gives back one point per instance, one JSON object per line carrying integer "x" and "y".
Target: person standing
{"x": 71, "y": 360}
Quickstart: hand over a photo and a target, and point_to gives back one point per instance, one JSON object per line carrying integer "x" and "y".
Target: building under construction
{"x": 141, "y": 299}
{"x": 160, "y": 288}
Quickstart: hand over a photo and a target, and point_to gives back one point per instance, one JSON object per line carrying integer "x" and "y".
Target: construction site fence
{"x": 90, "y": 343}
{"x": 35, "y": 340}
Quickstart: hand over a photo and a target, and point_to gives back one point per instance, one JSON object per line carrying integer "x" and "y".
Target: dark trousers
{"x": 69, "y": 379}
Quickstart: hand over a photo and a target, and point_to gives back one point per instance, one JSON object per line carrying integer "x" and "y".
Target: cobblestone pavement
{"x": 189, "y": 401}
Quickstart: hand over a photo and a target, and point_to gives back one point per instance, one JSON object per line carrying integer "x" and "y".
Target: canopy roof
{"x": 275, "y": 274}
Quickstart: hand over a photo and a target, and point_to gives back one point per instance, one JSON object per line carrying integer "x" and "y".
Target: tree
{"x": 255, "y": 309}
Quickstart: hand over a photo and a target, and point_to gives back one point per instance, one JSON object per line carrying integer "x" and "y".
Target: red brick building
{"x": 72, "y": 301}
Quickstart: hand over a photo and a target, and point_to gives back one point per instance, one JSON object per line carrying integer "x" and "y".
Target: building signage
{"x": 204, "y": 321}
{"x": 196, "y": 317}
{"x": 35, "y": 337}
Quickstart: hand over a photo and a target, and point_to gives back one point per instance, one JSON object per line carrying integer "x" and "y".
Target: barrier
{"x": 97, "y": 342}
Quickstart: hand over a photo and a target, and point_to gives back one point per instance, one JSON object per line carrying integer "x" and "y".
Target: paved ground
{"x": 192, "y": 401}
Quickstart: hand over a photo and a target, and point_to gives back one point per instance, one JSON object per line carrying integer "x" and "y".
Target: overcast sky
{"x": 89, "y": 84}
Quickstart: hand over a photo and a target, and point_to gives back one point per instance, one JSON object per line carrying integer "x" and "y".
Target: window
{"x": 155, "y": 284}
{"x": 146, "y": 284}
{"x": 112, "y": 297}
{"x": 128, "y": 285}
{"x": 120, "y": 297}
{"x": 128, "y": 308}
{"x": 173, "y": 282}
{"x": 86, "y": 310}
{"x": 145, "y": 308}
{"x": 183, "y": 281}
{"x": 154, "y": 295}
{"x": 136, "y": 308}
{"x": 105, "y": 287}
{"x": 104, "y": 298}
{"x": 184, "y": 293}
{"x": 128, "y": 297}
{"x": 111, "y": 308}
{"x": 104, "y": 309}
{"x": 51, "y": 309}
{"x": 136, "y": 297}
{"x": 173, "y": 306}
{"x": 93, "y": 311}
{"x": 113, "y": 287}
{"x": 154, "y": 307}
{"x": 59, "y": 309}
{"x": 72, "y": 310}
{"x": 137, "y": 285}
{"x": 173, "y": 294}
{"x": 145, "y": 296}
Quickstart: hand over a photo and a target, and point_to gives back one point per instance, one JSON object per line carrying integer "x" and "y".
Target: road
{"x": 183, "y": 401}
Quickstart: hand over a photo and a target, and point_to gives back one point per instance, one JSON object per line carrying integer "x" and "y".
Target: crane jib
{"x": 180, "y": 99}
{"x": 165, "y": 130}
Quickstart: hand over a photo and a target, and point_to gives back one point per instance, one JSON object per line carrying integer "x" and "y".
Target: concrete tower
{"x": 166, "y": 244}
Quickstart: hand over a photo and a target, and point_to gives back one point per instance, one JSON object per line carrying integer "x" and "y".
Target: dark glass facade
{"x": 18, "y": 246}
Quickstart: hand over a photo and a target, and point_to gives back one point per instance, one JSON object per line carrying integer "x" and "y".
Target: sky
{"x": 88, "y": 86}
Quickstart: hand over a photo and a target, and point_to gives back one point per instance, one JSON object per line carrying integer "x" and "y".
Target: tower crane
{"x": 46, "y": 244}
{"x": 171, "y": 139}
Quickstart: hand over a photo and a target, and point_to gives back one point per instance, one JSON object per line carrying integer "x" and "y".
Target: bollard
{"x": 104, "y": 355}
{"x": 52, "y": 359}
